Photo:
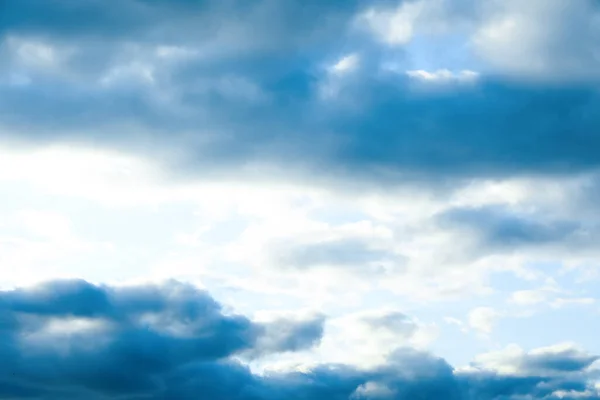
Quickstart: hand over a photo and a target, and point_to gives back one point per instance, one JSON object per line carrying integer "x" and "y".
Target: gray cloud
{"x": 283, "y": 335}
{"x": 395, "y": 322}
{"x": 220, "y": 114}
{"x": 354, "y": 254}
{"x": 232, "y": 25}
{"x": 554, "y": 39}
{"x": 500, "y": 228}
{"x": 71, "y": 339}
{"x": 71, "y": 336}
{"x": 567, "y": 360}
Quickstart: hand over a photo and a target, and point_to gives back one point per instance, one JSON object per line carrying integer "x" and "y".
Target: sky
{"x": 299, "y": 199}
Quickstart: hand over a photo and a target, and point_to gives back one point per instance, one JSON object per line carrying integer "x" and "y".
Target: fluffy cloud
{"x": 71, "y": 336}
{"x": 243, "y": 112}
{"x": 536, "y": 40}
{"x": 553, "y": 39}
{"x": 483, "y": 319}
{"x": 278, "y": 153}
{"x": 557, "y": 360}
{"x": 416, "y": 242}
{"x": 68, "y": 339}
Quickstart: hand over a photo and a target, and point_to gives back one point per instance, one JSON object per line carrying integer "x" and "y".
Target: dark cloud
{"x": 72, "y": 339}
{"x": 393, "y": 133}
{"x": 567, "y": 360}
{"x": 499, "y": 228}
{"x": 222, "y": 113}
{"x": 232, "y": 25}
{"x": 493, "y": 127}
{"x": 283, "y": 335}
{"x": 69, "y": 335}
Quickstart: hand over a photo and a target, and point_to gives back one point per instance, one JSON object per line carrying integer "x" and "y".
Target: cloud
{"x": 538, "y": 40}
{"x": 288, "y": 91}
{"x": 498, "y": 228}
{"x": 259, "y": 111}
{"x": 483, "y": 319}
{"x": 545, "y": 373}
{"x": 64, "y": 336}
{"x": 556, "y": 360}
{"x": 529, "y": 297}
{"x": 395, "y": 28}
{"x": 284, "y": 335}
{"x": 577, "y": 301}
{"x": 353, "y": 254}
{"x": 399, "y": 23}
{"x": 68, "y": 339}
{"x": 367, "y": 338}
{"x": 396, "y": 322}
{"x": 550, "y": 295}
{"x": 181, "y": 21}
{"x": 442, "y": 75}
{"x": 330, "y": 242}
{"x": 553, "y": 39}
{"x": 493, "y": 128}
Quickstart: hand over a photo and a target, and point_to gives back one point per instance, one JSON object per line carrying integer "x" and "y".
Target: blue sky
{"x": 299, "y": 199}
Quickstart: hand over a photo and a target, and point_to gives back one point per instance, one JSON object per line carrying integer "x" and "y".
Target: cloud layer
{"x": 229, "y": 140}
{"x": 214, "y": 100}
{"x": 72, "y": 339}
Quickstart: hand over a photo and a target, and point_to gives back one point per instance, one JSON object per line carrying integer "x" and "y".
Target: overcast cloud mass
{"x": 299, "y": 199}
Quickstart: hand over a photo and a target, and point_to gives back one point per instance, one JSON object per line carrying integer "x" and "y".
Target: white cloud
{"x": 45, "y": 224}
{"x": 36, "y": 54}
{"x": 397, "y": 231}
{"x": 272, "y": 246}
{"x": 537, "y": 39}
{"x": 126, "y": 74}
{"x": 541, "y": 38}
{"x": 337, "y": 75}
{"x": 393, "y": 26}
{"x": 555, "y": 360}
{"x": 72, "y": 326}
{"x": 577, "y": 301}
{"x": 551, "y": 295}
{"x": 372, "y": 390}
{"x": 346, "y": 64}
{"x": 175, "y": 52}
{"x": 363, "y": 338}
{"x": 483, "y": 319}
{"x": 529, "y": 297}
{"x": 443, "y": 75}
